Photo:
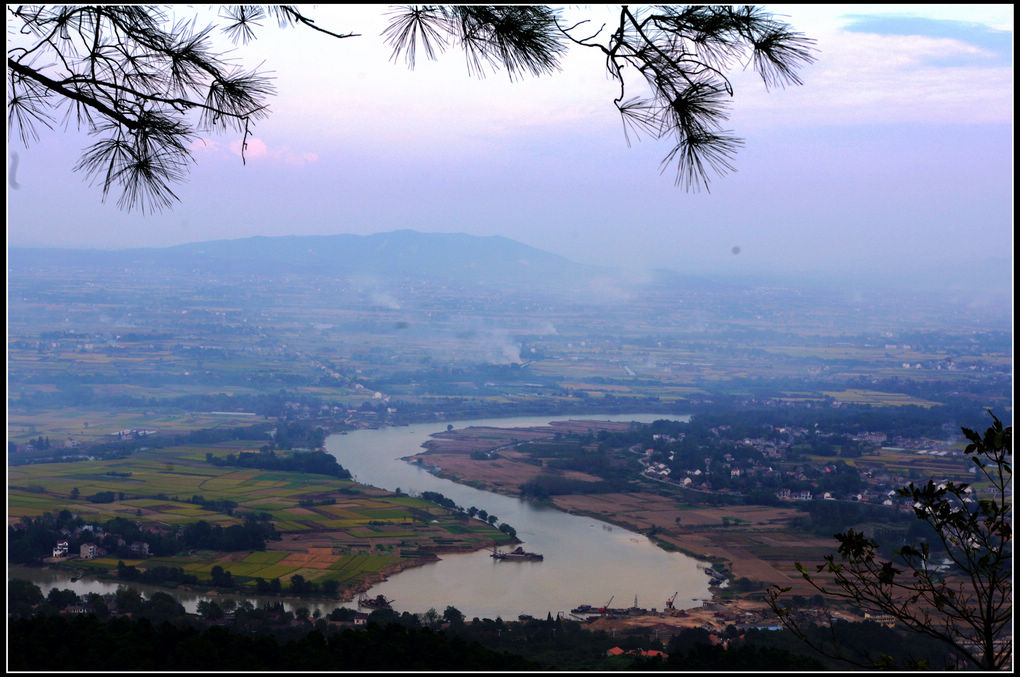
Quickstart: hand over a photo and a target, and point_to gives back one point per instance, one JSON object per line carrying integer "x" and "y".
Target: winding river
{"x": 586, "y": 561}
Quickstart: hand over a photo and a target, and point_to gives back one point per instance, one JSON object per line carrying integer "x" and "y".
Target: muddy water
{"x": 586, "y": 561}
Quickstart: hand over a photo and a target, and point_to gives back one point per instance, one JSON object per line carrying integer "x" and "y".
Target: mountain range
{"x": 443, "y": 256}
{"x": 465, "y": 259}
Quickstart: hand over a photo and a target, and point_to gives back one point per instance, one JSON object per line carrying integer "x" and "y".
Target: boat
{"x": 517, "y": 555}
{"x": 377, "y": 602}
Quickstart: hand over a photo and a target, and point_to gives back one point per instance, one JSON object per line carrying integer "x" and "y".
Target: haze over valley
{"x": 423, "y": 318}
{"x": 322, "y": 356}
{"x": 796, "y": 394}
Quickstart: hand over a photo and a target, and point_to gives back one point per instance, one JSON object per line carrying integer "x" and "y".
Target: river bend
{"x": 587, "y": 561}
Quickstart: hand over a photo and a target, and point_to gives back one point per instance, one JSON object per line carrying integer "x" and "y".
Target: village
{"x": 872, "y": 476}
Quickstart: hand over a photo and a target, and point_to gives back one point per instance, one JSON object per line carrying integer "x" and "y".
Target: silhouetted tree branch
{"x": 141, "y": 84}
{"x": 680, "y": 54}
{"x": 146, "y": 85}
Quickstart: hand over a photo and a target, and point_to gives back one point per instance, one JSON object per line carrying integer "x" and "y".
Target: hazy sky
{"x": 895, "y": 154}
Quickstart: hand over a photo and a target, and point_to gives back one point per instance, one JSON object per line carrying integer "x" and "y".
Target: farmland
{"x": 95, "y": 348}
{"x": 104, "y": 357}
{"x": 330, "y": 529}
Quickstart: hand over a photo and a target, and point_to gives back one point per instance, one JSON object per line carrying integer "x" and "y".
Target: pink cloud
{"x": 257, "y": 149}
{"x": 254, "y": 148}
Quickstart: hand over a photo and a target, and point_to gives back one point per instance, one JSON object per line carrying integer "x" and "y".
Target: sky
{"x": 894, "y": 157}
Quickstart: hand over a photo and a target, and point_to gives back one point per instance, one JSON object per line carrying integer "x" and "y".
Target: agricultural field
{"x": 316, "y": 565}
{"x": 331, "y": 529}
{"x": 919, "y": 465}
{"x": 878, "y": 399}
{"x": 87, "y": 425}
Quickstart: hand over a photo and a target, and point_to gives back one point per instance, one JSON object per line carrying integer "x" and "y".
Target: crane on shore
{"x": 669, "y": 602}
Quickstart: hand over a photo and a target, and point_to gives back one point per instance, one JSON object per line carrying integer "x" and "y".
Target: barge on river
{"x": 517, "y": 555}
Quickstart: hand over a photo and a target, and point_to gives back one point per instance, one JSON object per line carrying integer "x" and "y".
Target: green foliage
{"x": 157, "y": 575}
{"x": 21, "y": 597}
{"x": 162, "y": 637}
{"x": 312, "y": 462}
{"x": 52, "y": 643}
{"x": 30, "y": 540}
{"x": 251, "y": 535}
{"x": 210, "y": 610}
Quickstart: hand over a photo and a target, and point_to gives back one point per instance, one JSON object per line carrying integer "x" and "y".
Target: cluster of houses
{"x": 132, "y": 433}
{"x": 92, "y": 550}
{"x": 356, "y": 418}
{"x": 877, "y": 483}
{"x": 85, "y": 551}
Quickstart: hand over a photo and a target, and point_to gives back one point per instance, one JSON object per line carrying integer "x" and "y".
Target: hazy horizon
{"x": 893, "y": 159}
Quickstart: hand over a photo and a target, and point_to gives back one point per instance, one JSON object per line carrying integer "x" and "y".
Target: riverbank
{"x": 585, "y": 560}
{"x": 326, "y": 541}
{"x": 756, "y": 545}
{"x": 335, "y": 534}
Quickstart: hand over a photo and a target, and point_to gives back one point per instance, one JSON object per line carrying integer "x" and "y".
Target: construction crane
{"x": 605, "y": 608}
{"x": 669, "y": 602}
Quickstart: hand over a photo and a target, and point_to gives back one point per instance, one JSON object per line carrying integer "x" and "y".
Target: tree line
{"x": 160, "y": 635}
{"x": 311, "y": 462}
{"x": 32, "y": 539}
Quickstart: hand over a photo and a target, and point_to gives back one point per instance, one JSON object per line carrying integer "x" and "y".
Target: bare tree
{"x": 146, "y": 85}
{"x": 966, "y": 604}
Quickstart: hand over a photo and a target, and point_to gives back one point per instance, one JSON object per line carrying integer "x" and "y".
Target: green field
{"x": 348, "y": 540}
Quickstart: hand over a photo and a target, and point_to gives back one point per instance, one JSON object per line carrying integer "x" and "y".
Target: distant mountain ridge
{"x": 446, "y": 256}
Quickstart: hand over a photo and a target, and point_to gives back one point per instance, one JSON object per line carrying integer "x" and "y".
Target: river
{"x": 586, "y": 561}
